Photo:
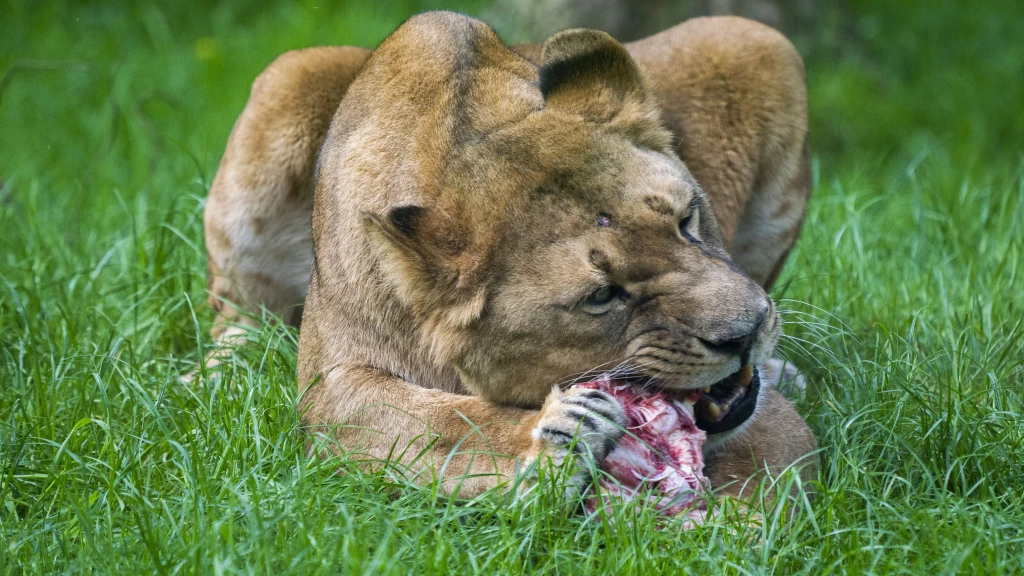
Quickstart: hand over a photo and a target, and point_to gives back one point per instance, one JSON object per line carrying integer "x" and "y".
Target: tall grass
{"x": 903, "y": 303}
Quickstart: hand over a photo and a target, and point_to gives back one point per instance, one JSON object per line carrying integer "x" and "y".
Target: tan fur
{"x": 258, "y": 227}
{"x": 734, "y": 467}
{"x": 445, "y": 322}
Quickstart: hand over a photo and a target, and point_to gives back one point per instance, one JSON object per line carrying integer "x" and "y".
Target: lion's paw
{"x": 581, "y": 422}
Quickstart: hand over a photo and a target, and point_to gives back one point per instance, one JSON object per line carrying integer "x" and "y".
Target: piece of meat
{"x": 660, "y": 457}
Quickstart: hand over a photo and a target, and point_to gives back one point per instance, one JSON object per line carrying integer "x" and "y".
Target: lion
{"x": 465, "y": 228}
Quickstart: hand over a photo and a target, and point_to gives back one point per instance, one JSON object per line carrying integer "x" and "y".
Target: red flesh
{"x": 660, "y": 458}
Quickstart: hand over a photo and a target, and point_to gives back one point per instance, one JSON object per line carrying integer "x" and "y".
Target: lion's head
{"x": 537, "y": 223}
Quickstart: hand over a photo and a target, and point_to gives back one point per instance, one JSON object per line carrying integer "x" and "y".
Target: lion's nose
{"x": 741, "y": 334}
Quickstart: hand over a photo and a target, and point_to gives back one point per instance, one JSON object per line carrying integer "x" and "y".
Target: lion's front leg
{"x": 776, "y": 438}
{"x": 469, "y": 443}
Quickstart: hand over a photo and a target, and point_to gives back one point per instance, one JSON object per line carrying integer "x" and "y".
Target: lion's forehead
{"x": 499, "y": 97}
{"x": 567, "y": 156}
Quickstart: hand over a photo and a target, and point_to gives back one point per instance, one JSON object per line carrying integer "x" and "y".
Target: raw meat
{"x": 659, "y": 459}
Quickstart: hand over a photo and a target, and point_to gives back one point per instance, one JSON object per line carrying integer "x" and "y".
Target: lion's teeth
{"x": 707, "y": 389}
{"x": 713, "y": 411}
{"x": 745, "y": 375}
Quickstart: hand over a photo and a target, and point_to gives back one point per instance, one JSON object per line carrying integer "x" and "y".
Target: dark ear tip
{"x": 576, "y": 42}
{"x": 572, "y": 54}
{"x": 406, "y": 218}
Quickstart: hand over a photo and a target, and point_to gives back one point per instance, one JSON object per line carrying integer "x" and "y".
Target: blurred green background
{"x": 903, "y": 303}
{"x": 886, "y": 78}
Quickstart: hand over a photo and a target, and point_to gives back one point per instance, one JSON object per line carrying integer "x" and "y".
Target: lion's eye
{"x": 600, "y": 300}
{"x": 689, "y": 225}
{"x": 602, "y": 295}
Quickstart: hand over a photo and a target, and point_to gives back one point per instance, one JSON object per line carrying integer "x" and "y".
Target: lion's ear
{"x": 590, "y": 73}
{"x": 405, "y": 259}
{"x": 421, "y": 255}
{"x": 423, "y": 261}
{"x": 398, "y": 231}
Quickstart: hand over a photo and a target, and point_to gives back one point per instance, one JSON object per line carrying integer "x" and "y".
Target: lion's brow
{"x": 600, "y": 260}
{"x": 660, "y": 204}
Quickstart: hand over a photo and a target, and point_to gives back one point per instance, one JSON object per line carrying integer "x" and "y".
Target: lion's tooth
{"x": 714, "y": 412}
{"x": 745, "y": 375}
{"x": 707, "y": 389}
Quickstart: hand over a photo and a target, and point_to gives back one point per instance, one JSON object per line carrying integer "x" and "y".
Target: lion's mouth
{"x": 728, "y": 403}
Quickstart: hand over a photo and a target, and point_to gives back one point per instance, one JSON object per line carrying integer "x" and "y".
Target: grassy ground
{"x": 904, "y": 302}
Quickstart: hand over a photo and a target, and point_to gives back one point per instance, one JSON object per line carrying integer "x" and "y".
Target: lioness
{"x": 489, "y": 221}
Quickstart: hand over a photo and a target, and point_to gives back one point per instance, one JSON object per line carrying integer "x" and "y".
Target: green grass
{"x": 904, "y": 302}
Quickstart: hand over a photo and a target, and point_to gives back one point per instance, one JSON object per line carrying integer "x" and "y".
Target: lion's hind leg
{"x": 258, "y": 213}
